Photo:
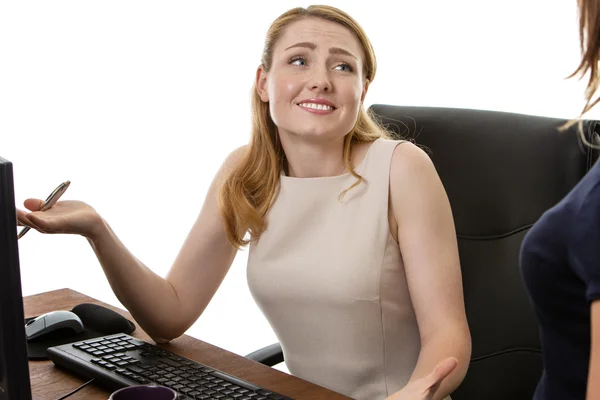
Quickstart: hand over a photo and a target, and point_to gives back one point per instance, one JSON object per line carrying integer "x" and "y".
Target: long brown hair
{"x": 247, "y": 193}
{"x": 589, "y": 42}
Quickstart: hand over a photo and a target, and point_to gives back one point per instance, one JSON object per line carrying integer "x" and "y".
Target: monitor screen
{"x": 14, "y": 366}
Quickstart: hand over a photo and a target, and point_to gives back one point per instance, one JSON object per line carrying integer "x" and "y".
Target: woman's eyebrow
{"x": 339, "y": 50}
{"x": 309, "y": 45}
{"x": 332, "y": 50}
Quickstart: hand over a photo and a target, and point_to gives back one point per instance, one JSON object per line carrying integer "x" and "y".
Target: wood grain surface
{"x": 50, "y": 382}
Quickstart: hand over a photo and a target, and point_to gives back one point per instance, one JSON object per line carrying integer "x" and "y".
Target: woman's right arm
{"x": 163, "y": 307}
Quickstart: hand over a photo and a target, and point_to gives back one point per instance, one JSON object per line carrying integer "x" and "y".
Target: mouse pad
{"x": 97, "y": 321}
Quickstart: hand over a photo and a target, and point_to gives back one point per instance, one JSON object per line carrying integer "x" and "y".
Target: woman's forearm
{"x": 149, "y": 298}
{"x": 448, "y": 343}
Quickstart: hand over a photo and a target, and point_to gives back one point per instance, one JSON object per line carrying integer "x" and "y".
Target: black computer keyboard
{"x": 120, "y": 360}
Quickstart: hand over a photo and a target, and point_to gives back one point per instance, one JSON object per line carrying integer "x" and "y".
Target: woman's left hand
{"x": 426, "y": 387}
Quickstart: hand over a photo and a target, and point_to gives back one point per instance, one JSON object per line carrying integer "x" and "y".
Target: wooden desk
{"x": 49, "y": 382}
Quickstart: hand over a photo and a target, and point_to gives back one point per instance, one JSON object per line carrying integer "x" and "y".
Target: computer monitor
{"x": 14, "y": 367}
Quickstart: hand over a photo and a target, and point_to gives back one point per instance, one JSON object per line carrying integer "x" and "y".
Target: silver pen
{"x": 50, "y": 201}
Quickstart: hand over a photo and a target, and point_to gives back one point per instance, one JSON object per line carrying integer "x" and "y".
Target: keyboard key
{"x": 170, "y": 362}
{"x": 136, "y": 369}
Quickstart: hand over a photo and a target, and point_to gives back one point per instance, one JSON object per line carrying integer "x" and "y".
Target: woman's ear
{"x": 261, "y": 84}
{"x": 364, "y": 92}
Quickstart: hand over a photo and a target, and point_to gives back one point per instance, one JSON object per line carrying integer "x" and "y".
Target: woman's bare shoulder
{"x": 411, "y": 159}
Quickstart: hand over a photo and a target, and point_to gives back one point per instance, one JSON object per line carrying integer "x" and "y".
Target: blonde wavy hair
{"x": 251, "y": 187}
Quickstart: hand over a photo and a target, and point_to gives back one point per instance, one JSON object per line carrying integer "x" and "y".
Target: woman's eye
{"x": 298, "y": 61}
{"x": 344, "y": 67}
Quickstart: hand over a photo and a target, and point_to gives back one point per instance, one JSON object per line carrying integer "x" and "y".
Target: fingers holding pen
{"x": 33, "y": 204}
{"x": 50, "y": 221}
{"x": 34, "y": 219}
{"x": 28, "y": 220}
{"x": 53, "y": 216}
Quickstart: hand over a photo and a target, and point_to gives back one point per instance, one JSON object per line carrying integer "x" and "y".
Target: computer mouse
{"x": 51, "y": 322}
{"x": 102, "y": 319}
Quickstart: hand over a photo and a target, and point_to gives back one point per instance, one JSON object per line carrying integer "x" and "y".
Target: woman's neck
{"x": 313, "y": 159}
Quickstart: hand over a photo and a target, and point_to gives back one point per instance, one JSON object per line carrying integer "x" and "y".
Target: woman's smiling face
{"x": 316, "y": 83}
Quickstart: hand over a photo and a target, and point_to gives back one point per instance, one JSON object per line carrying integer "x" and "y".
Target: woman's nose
{"x": 320, "y": 80}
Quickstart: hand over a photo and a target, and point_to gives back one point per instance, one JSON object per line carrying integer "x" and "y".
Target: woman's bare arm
{"x": 164, "y": 307}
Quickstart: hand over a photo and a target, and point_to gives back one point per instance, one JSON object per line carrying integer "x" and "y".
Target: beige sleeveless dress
{"x": 329, "y": 278}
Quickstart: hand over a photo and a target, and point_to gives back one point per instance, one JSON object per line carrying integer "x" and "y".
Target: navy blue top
{"x": 560, "y": 264}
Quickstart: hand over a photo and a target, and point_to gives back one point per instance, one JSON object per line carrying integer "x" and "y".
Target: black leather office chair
{"x": 501, "y": 172}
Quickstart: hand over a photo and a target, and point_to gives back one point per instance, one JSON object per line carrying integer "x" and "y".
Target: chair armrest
{"x": 269, "y": 355}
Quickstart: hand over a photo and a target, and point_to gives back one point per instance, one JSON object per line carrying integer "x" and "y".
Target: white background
{"x": 138, "y": 102}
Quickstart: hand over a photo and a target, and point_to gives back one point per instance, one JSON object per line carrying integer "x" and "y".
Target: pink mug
{"x": 144, "y": 392}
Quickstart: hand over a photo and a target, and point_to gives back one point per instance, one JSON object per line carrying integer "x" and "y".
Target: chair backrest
{"x": 501, "y": 172}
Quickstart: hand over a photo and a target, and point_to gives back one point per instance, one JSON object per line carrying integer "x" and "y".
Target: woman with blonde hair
{"x": 353, "y": 256}
{"x": 560, "y": 261}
